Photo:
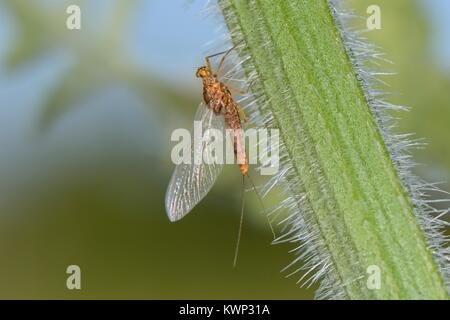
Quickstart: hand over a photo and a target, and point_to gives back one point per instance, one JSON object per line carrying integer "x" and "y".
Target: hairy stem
{"x": 358, "y": 213}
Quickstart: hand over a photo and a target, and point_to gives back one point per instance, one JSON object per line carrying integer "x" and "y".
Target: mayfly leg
{"x": 236, "y": 251}
{"x": 242, "y": 113}
{"x": 225, "y": 54}
{"x": 262, "y": 205}
{"x": 240, "y": 109}
{"x": 241, "y": 222}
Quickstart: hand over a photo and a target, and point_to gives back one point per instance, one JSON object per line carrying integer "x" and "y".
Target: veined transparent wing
{"x": 190, "y": 183}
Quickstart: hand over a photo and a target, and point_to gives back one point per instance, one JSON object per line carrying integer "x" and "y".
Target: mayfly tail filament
{"x": 262, "y": 205}
{"x": 236, "y": 251}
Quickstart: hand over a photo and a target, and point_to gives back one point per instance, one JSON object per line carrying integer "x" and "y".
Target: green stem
{"x": 355, "y": 201}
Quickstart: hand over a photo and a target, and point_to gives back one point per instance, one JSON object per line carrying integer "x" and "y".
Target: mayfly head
{"x": 203, "y": 72}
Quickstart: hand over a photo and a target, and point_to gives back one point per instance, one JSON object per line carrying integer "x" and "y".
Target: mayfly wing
{"x": 190, "y": 183}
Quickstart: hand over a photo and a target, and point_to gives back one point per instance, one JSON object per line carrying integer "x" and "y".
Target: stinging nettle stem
{"x": 352, "y": 205}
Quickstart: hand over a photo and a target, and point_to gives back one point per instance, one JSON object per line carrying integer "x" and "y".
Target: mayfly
{"x": 190, "y": 183}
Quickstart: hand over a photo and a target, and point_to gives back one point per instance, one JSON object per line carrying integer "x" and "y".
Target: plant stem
{"x": 354, "y": 197}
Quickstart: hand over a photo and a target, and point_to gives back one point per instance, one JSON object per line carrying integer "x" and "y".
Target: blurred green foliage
{"x": 100, "y": 55}
{"x": 100, "y": 203}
